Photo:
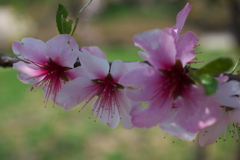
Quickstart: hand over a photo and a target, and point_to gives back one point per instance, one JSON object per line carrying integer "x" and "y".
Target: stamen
{"x": 165, "y": 135}
{"x": 225, "y": 134}
{"x": 196, "y": 45}
{"x": 236, "y": 132}
{"x": 106, "y": 91}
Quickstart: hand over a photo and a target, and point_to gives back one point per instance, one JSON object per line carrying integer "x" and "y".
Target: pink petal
{"x": 26, "y": 71}
{"x": 181, "y": 18}
{"x": 95, "y": 67}
{"x": 126, "y": 117}
{"x": 75, "y": 92}
{"x": 226, "y": 92}
{"x": 113, "y": 122}
{"x": 95, "y": 51}
{"x": 74, "y": 73}
{"x": 104, "y": 116}
{"x": 157, "y": 111}
{"x": 27, "y": 79}
{"x": 141, "y": 83}
{"x": 195, "y": 110}
{"x": 129, "y": 66}
{"x": 185, "y": 47}
{"x": 171, "y": 127}
{"x": 124, "y": 109}
{"x": 136, "y": 108}
{"x": 168, "y": 30}
{"x": 116, "y": 70}
{"x": 31, "y": 49}
{"x": 121, "y": 112}
{"x": 63, "y": 50}
{"x": 159, "y": 47}
{"x": 210, "y": 134}
{"x": 235, "y": 116}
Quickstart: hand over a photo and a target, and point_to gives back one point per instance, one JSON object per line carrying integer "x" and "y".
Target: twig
{"x": 7, "y": 61}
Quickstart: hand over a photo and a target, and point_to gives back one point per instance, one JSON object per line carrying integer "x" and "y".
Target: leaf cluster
{"x": 205, "y": 75}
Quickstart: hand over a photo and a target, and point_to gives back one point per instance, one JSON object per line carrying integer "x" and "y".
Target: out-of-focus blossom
{"x": 227, "y": 96}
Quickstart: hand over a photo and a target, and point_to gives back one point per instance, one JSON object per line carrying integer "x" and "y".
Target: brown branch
{"x": 7, "y": 61}
{"x": 232, "y": 77}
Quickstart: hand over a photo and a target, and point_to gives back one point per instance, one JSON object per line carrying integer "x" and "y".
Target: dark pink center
{"x": 176, "y": 79}
{"x": 107, "y": 92}
{"x": 52, "y": 77}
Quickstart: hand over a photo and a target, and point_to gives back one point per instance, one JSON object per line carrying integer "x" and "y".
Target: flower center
{"x": 52, "y": 77}
{"x": 108, "y": 97}
{"x": 176, "y": 79}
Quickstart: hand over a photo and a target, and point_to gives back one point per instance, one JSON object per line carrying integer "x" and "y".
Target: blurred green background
{"x": 30, "y": 131}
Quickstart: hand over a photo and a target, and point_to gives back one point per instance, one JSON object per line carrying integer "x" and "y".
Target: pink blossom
{"x": 182, "y": 48}
{"x": 225, "y": 96}
{"x": 170, "y": 91}
{"x": 100, "y": 80}
{"x": 48, "y": 65}
{"x": 230, "y": 113}
{"x": 166, "y": 86}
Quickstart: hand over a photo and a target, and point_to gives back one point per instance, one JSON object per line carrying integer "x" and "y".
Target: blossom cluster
{"x": 70, "y": 75}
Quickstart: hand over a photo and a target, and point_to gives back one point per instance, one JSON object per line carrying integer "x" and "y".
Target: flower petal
{"x": 195, "y": 110}
{"x": 95, "y": 51}
{"x": 181, "y": 18}
{"x": 75, "y": 92}
{"x": 113, "y": 122}
{"x": 235, "y": 116}
{"x": 141, "y": 83}
{"x": 171, "y": 127}
{"x": 226, "y": 92}
{"x": 31, "y": 49}
{"x": 94, "y": 67}
{"x": 27, "y": 71}
{"x": 103, "y": 114}
{"x": 159, "y": 47}
{"x": 129, "y": 66}
{"x": 116, "y": 70}
{"x": 157, "y": 111}
{"x": 125, "y": 109}
{"x": 74, "y": 73}
{"x": 63, "y": 50}
{"x": 210, "y": 134}
{"x": 185, "y": 47}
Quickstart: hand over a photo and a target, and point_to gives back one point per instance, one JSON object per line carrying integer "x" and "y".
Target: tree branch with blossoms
{"x": 185, "y": 102}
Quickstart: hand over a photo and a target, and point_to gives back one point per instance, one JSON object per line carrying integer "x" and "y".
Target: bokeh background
{"x": 31, "y": 131}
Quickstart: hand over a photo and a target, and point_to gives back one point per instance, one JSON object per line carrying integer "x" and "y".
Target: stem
{"x": 236, "y": 65}
{"x": 77, "y": 19}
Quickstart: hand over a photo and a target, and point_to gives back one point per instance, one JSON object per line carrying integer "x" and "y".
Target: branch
{"x": 232, "y": 77}
{"x": 7, "y": 61}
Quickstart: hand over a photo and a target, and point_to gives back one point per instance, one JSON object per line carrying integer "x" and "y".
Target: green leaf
{"x": 64, "y": 26}
{"x": 209, "y": 83}
{"x": 194, "y": 76}
{"x": 216, "y": 67}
